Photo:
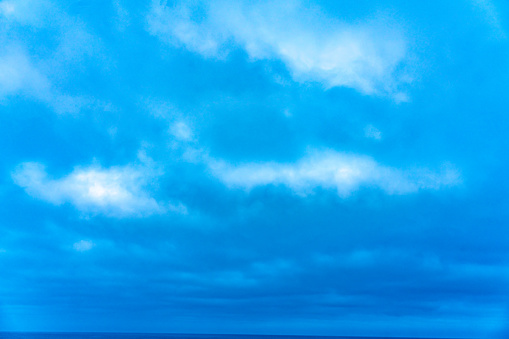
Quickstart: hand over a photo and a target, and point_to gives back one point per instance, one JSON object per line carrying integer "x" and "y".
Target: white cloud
{"x": 372, "y": 132}
{"x": 181, "y": 131}
{"x": 342, "y": 172}
{"x": 175, "y": 24}
{"x": 83, "y": 245}
{"x": 366, "y": 56}
{"x": 115, "y": 191}
{"x": 27, "y": 12}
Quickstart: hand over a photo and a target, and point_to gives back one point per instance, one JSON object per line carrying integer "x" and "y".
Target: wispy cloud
{"x": 18, "y": 74}
{"x": 344, "y": 173}
{"x": 180, "y": 127}
{"x": 122, "y": 18}
{"x": 366, "y": 56}
{"x": 324, "y": 169}
{"x": 490, "y": 14}
{"x": 114, "y": 191}
{"x": 372, "y": 132}
{"x": 33, "y": 75}
{"x": 27, "y": 12}
{"x": 181, "y": 131}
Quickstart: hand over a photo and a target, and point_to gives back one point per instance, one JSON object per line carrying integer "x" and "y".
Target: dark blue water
{"x": 60, "y": 335}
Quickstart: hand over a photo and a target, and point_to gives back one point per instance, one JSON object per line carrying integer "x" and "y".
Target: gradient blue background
{"x": 146, "y": 151}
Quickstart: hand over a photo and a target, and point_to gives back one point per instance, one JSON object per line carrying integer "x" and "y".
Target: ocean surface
{"x": 96, "y": 335}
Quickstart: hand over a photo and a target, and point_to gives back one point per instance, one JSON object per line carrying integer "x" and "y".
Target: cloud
{"x": 365, "y": 56}
{"x": 34, "y": 74}
{"x": 18, "y": 74}
{"x": 345, "y": 173}
{"x": 83, "y": 245}
{"x": 179, "y": 126}
{"x": 27, "y": 12}
{"x": 122, "y": 18}
{"x": 372, "y": 132}
{"x": 114, "y": 191}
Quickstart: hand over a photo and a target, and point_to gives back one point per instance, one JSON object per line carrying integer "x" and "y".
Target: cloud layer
{"x": 366, "y": 56}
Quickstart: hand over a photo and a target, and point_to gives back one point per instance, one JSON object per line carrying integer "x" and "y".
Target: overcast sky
{"x": 286, "y": 167}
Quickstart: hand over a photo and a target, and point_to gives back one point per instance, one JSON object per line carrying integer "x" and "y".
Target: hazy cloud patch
{"x": 372, "y": 132}
{"x": 345, "y": 173}
{"x": 34, "y": 71}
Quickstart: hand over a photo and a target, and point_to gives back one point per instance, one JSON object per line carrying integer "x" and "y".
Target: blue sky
{"x": 332, "y": 168}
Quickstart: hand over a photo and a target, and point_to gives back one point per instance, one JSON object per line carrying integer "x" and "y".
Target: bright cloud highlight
{"x": 116, "y": 191}
{"x": 367, "y": 56}
{"x": 345, "y": 173}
